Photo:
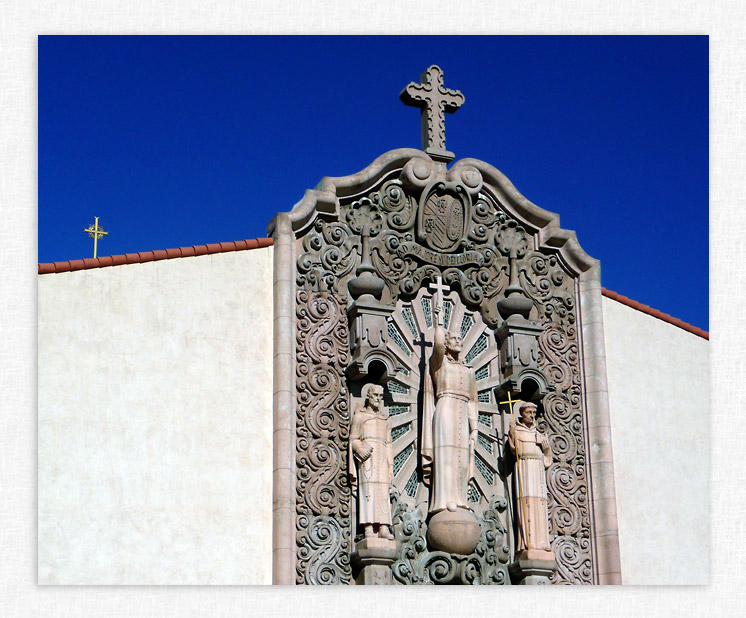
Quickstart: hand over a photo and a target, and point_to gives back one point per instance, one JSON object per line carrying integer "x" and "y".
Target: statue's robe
{"x": 374, "y": 476}
{"x": 449, "y": 415}
{"x": 530, "y": 487}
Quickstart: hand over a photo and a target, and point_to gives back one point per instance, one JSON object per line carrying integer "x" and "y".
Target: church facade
{"x": 431, "y": 336}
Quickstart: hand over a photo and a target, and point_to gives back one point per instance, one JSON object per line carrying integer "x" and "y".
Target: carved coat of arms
{"x": 443, "y": 215}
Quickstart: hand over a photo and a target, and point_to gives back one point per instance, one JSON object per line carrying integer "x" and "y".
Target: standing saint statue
{"x": 533, "y": 455}
{"x": 449, "y": 428}
{"x": 371, "y": 463}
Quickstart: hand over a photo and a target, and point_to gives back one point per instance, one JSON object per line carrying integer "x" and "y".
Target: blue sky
{"x": 176, "y": 141}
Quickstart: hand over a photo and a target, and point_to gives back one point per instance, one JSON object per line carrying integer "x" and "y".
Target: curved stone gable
{"x": 396, "y": 216}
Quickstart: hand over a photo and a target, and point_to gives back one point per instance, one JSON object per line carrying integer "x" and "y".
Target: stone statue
{"x": 533, "y": 455}
{"x": 449, "y": 434}
{"x": 371, "y": 463}
{"x": 450, "y": 422}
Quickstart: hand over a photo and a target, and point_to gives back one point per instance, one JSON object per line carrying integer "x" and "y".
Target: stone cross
{"x": 438, "y": 288}
{"x": 435, "y": 100}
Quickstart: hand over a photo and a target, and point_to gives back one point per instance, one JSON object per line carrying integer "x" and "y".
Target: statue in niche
{"x": 449, "y": 434}
{"x": 371, "y": 463}
{"x": 450, "y": 421}
{"x": 533, "y": 455}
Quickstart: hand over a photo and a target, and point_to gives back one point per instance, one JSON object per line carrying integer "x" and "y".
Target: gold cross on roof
{"x": 95, "y": 232}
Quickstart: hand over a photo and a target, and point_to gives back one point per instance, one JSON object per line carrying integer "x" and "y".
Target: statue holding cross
{"x": 449, "y": 435}
{"x": 532, "y": 453}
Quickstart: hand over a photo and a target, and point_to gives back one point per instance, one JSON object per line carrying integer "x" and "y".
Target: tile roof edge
{"x": 257, "y": 243}
{"x": 151, "y": 256}
{"x": 655, "y": 313}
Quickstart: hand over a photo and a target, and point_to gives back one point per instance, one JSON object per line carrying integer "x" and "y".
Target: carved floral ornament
{"x": 410, "y": 221}
{"x": 413, "y": 223}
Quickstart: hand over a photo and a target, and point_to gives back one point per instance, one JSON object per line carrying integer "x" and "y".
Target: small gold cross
{"x": 95, "y": 232}
{"x": 510, "y": 402}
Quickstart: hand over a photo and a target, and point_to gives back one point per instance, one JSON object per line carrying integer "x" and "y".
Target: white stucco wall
{"x": 155, "y": 428}
{"x": 659, "y": 399}
{"x": 155, "y": 422}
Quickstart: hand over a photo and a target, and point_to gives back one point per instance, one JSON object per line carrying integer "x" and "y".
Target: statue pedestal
{"x": 455, "y": 532}
{"x": 533, "y": 567}
{"x": 372, "y": 560}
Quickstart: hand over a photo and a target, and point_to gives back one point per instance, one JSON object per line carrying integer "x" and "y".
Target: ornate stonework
{"x": 322, "y": 427}
{"x": 354, "y": 261}
{"x": 487, "y": 565}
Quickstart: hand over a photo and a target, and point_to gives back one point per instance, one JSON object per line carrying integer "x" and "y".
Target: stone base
{"x": 455, "y": 532}
{"x": 533, "y": 567}
{"x": 372, "y": 560}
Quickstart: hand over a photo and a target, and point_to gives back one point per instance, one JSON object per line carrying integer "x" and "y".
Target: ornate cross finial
{"x": 95, "y": 232}
{"x": 435, "y": 100}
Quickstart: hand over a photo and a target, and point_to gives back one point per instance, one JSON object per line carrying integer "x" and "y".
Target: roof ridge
{"x": 655, "y": 313}
{"x": 152, "y": 256}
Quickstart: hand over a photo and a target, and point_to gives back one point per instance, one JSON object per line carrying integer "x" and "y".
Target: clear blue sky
{"x": 176, "y": 141}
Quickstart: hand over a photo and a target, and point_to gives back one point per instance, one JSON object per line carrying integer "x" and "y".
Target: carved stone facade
{"x": 404, "y": 222}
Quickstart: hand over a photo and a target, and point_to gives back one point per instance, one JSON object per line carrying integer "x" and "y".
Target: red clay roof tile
{"x": 149, "y": 256}
{"x": 655, "y": 313}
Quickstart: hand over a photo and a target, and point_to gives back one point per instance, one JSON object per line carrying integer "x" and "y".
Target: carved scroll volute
{"x": 468, "y": 176}
{"x": 567, "y": 480}
{"x": 322, "y": 428}
{"x": 417, "y": 174}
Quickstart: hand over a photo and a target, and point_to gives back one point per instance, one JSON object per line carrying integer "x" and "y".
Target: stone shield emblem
{"x": 443, "y": 215}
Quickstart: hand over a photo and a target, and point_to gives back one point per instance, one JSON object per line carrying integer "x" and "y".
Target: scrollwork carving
{"x": 544, "y": 280}
{"x": 476, "y": 266}
{"x": 321, "y": 551}
{"x": 487, "y": 565}
{"x": 399, "y": 206}
{"x": 567, "y": 481}
{"x": 329, "y": 256}
{"x": 573, "y": 560}
{"x": 322, "y": 425}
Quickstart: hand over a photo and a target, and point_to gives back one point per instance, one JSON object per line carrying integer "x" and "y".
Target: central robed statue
{"x": 449, "y": 422}
{"x": 449, "y": 434}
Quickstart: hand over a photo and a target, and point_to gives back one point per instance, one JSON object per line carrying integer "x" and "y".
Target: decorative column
{"x": 370, "y": 359}
{"x": 367, "y": 314}
{"x": 517, "y": 336}
{"x": 518, "y": 339}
